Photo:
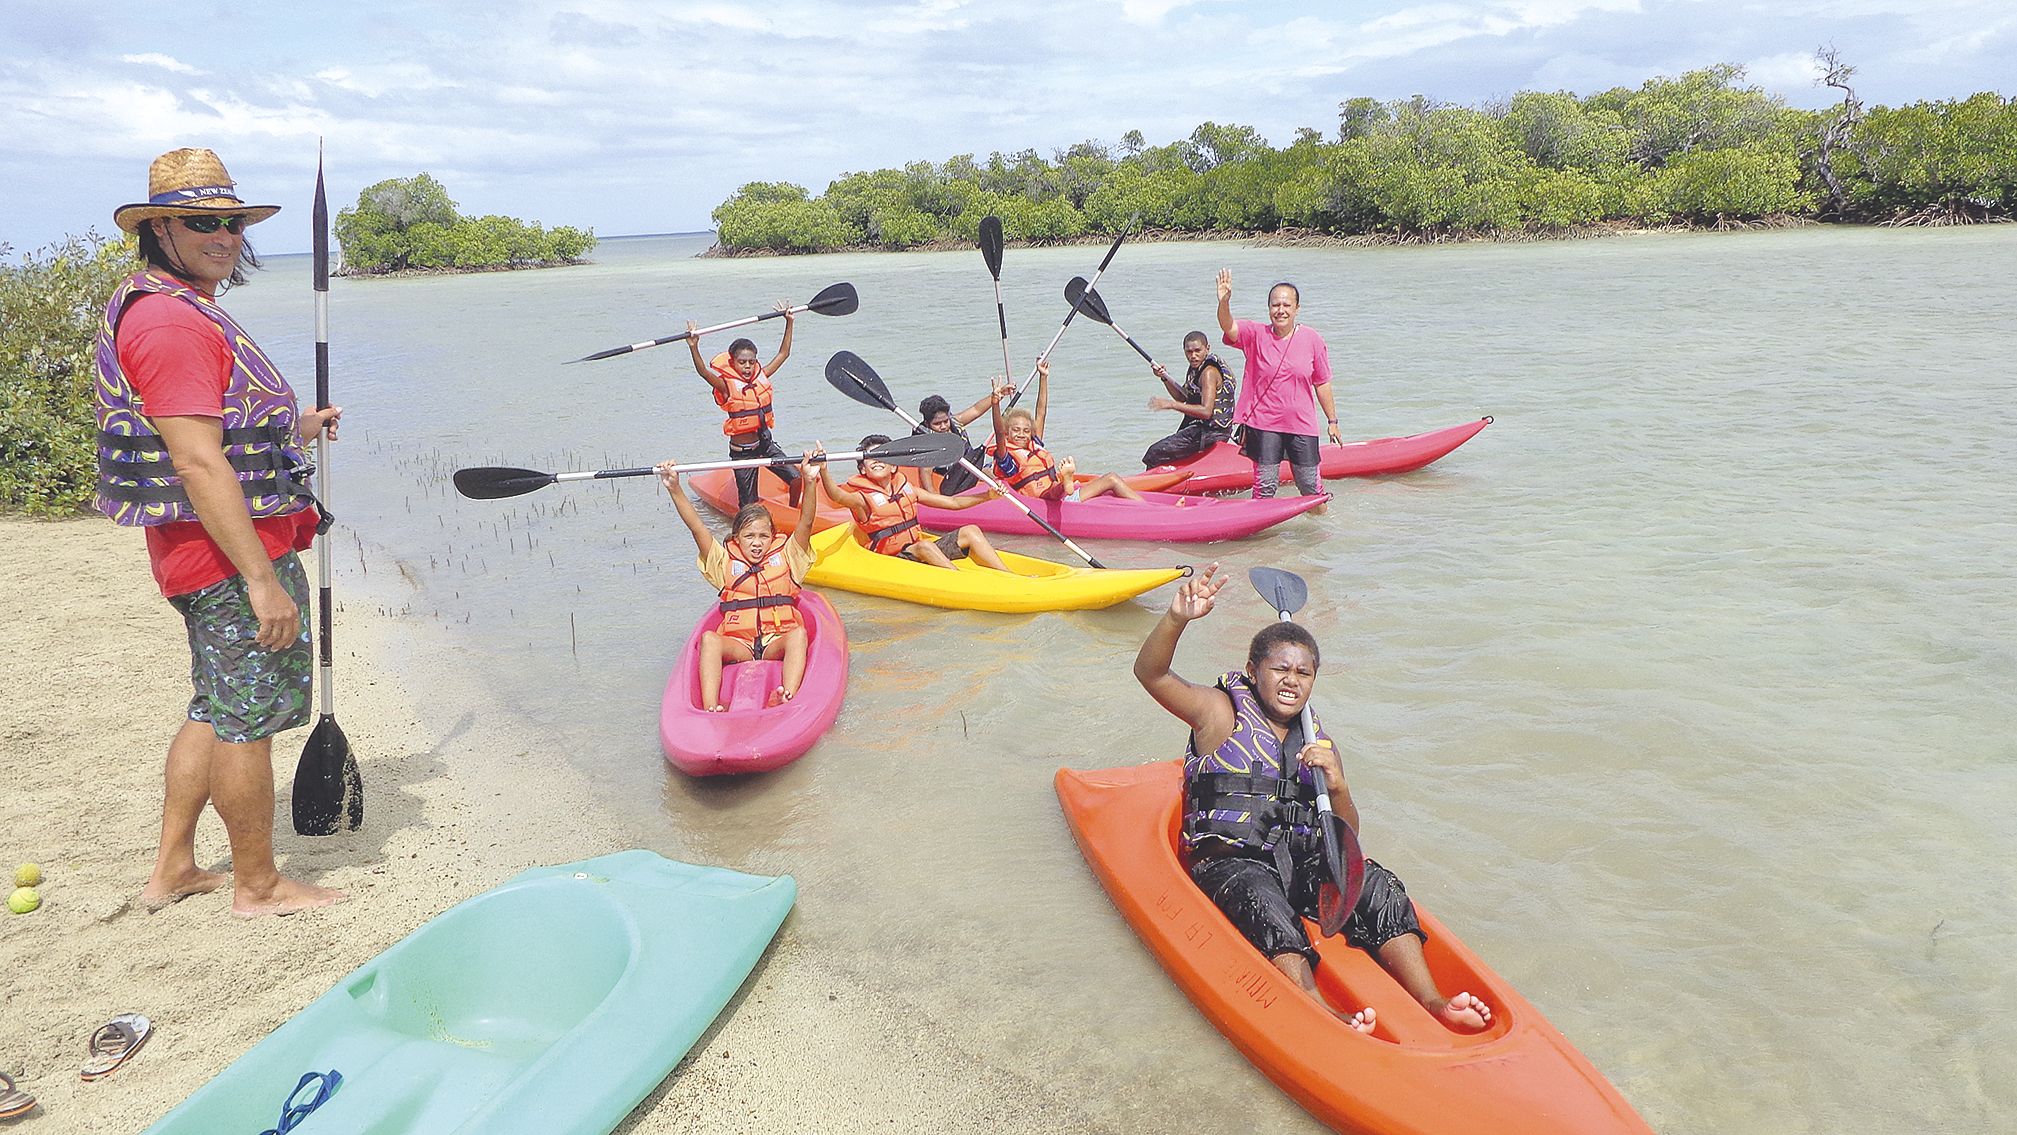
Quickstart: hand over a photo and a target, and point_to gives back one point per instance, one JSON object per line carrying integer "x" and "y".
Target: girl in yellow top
{"x": 758, "y": 573}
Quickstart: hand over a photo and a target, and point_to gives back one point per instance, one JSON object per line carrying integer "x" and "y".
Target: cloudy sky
{"x": 636, "y": 116}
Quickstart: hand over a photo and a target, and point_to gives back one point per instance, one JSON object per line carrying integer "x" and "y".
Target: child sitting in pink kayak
{"x": 758, "y": 572}
{"x": 1025, "y": 466}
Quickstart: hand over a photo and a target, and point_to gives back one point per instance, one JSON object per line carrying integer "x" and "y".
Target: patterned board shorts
{"x": 243, "y": 691}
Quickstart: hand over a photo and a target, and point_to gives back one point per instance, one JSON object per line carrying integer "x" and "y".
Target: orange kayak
{"x": 1412, "y": 1075}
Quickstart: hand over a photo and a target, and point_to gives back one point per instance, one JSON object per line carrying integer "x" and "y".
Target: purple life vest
{"x": 137, "y": 484}
{"x": 1242, "y": 795}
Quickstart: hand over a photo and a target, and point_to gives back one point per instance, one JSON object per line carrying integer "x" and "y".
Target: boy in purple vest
{"x": 201, "y": 444}
{"x": 1249, "y": 809}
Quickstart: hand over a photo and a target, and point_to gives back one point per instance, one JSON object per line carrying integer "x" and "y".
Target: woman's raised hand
{"x": 1225, "y": 284}
{"x": 1194, "y": 599}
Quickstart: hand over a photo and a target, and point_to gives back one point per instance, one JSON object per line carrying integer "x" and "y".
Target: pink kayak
{"x": 1168, "y": 518}
{"x": 1222, "y": 468}
{"x": 750, "y": 737}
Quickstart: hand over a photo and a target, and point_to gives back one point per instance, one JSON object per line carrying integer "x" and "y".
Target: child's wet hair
{"x": 748, "y": 515}
{"x": 1281, "y": 634}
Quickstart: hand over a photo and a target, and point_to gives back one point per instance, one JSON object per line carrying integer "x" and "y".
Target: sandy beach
{"x": 93, "y": 664}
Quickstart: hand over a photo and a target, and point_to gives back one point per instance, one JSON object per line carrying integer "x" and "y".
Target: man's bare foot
{"x": 1464, "y": 1012}
{"x": 1362, "y": 1021}
{"x": 287, "y": 897}
{"x": 160, "y": 894}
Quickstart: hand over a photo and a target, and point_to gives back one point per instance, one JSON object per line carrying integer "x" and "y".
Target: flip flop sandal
{"x": 114, "y": 1044}
{"x": 13, "y": 1101}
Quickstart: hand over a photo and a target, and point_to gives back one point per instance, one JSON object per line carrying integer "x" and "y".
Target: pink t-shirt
{"x": 1278, "y": 384}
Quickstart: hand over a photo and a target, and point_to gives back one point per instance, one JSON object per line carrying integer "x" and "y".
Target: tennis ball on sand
{"x": 28, "y": 875}
{"x": 23, "y": 900}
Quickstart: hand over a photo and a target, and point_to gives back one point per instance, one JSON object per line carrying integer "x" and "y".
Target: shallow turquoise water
{"x": 1684, "y": 692}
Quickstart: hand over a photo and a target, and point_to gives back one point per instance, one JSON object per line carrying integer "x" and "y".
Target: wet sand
{"x": 92, "y": 662}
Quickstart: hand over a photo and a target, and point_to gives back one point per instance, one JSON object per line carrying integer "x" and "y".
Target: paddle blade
{"x": 991, "y": 244}
{"x": 928, "y": 450}
{"x": 320, "y": 220}
{"x": 494, "y": 482}
{"x": 1285, "y": 591}
{"x": 1346, "y": 864}
{"x": 847, "y": 373}
{"x": 839, "y": 299}
{"x": 328, "y": 789}
{"x": 1087, "y": 300}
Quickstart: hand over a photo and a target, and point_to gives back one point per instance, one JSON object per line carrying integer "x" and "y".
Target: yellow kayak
{"x": 839, "y": 561}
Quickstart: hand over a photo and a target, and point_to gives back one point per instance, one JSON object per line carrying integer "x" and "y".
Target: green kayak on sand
{"x": 552, "y": 1003}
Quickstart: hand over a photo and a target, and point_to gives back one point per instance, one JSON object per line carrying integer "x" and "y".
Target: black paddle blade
{"x": 1285, "y": 591}
{"x": 838, "y": 299}
{"x": 847, "y": 373}
{"x": 1087, "y": 300}
{"x": 1347, "y": 867}
{"x": 495, "y": 482}
{"x": 320, "y": 219}
{"x": 328, "y": 789}
{"x": 991, "y": 244}
{"x": 928, "y": 450}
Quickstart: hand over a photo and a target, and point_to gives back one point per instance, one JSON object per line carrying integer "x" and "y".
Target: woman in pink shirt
{"x": 1286, "y": 365}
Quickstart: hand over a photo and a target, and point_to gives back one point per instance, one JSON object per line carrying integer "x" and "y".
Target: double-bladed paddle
{"x": 495, "y": 482}
{"x": 1286, "y": 592}
{"x": 1104, "y": 261}
{"x": 328, "y": 788}
{"x": 1082, "y": 296}
{"x": 850, "y": 375}
{"x": 839, "y": 299}
{"x": 991, "y": 244}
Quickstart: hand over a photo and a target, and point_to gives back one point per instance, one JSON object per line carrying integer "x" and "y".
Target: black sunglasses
{"x": 212, "y": 224}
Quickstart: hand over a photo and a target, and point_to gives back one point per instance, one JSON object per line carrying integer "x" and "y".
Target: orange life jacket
{"x": 746, "y": 400}
{"x": 760, "y": 598}
{"x": 1031, "y": 471}
{"x": 890, "y": 526}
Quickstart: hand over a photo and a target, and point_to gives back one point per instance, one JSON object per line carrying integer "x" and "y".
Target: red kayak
{"x": 1222, "y": 468}
{"x": 1412, "y": 1075}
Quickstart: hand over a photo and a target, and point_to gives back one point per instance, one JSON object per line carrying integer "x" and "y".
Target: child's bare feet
{"x": 1464, "y": 1012}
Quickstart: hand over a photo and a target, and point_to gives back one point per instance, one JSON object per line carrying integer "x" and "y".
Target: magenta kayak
{"x": 750, "y": 737}
{"x": 1168, "y": 518}
{"x": 1222, "y": 468}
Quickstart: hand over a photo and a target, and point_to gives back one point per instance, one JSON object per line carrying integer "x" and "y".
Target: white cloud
{"x": 165, "y": 62}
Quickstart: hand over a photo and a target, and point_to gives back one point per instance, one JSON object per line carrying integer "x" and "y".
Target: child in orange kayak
{"x": 758, "y": 573}
{"x": 1249, "y": 822}
{"x": 742, "y": 389}
{"x": 1025, "y": 466}
{"x": 884, "y": 505}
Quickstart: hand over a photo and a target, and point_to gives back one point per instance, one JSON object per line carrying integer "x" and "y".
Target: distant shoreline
{"x": 1313, "y": 238}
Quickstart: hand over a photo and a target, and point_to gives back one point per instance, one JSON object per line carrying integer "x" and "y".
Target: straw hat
{"x": 187, "y": 183}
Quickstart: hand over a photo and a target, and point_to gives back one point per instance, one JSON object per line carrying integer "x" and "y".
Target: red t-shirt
{"x": 180, "y": 366}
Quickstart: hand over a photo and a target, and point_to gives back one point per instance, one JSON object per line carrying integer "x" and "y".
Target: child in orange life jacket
{"x": 758, "y": 572}
{"x": 742, "y": 389}
{"x": 1025, "y": 466}
{"x": 884, "y": 505}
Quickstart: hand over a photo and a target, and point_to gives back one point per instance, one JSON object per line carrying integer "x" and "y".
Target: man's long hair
{"x": 156, "y": 256}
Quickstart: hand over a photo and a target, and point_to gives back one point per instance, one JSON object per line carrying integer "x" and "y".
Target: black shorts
{"x": 948, "y": 543}
{"x": 1248, "y": 891}
{"x": 1271, "y": 447}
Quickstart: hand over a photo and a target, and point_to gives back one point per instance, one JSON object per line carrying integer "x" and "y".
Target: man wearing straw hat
{"x": 202, "y": 445}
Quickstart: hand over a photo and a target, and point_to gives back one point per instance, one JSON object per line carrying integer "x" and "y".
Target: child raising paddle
{"x": 1026, "y": 467}
{"x": 884, "y": 505}
{"x": 758, "y": 572}
{"x": 742, "y": 389}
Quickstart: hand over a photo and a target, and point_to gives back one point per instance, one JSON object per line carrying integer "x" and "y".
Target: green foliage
{"x": 1704, "y": 146}
{"x": 783, "y": 218}
{"x": 412, "y": 223}
{"x": 50, "y": 307}
{"x": 1719, "y": 184}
